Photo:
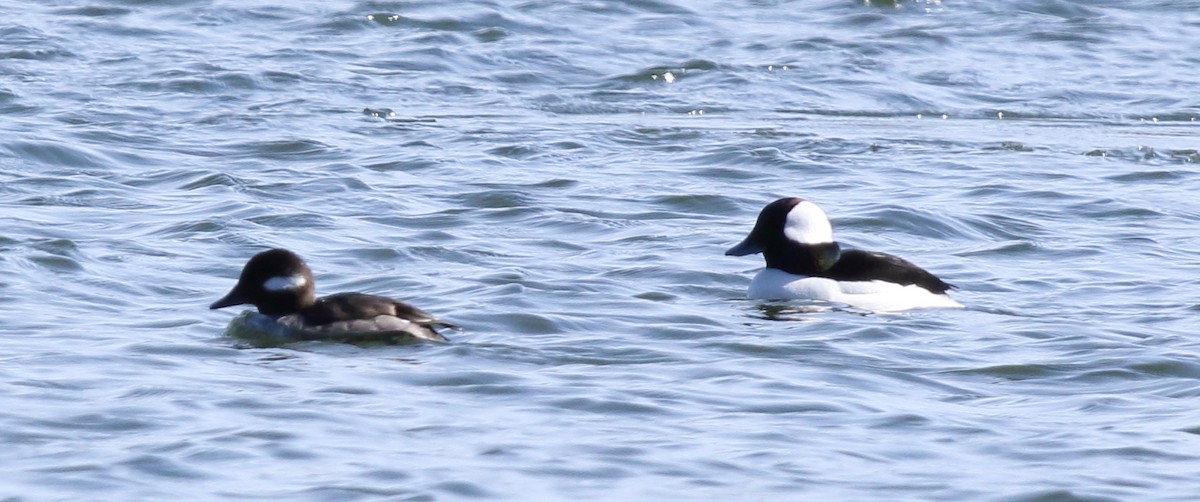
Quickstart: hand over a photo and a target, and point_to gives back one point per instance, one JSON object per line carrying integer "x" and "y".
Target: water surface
{"x": 562, "y": 178}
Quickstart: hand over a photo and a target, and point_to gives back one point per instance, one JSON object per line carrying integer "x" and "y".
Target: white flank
{"x": 807, "y": 224}
{"x": 877, "y": 296}
{"x": 284, "y": 283}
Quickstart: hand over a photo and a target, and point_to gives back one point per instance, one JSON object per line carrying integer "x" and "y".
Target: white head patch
{"x": 807, "y": 224}
{"x": 285, "y": 282}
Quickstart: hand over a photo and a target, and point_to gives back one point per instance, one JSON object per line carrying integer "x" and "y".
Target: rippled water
{"x": 561, "y": 178}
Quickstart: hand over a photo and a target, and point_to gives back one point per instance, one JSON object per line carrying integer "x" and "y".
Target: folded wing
{"x": 858, "y": 265}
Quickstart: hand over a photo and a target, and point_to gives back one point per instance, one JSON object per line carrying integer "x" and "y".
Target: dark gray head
{"x": 277, "y": 282}
{"x": 794, "y": 235}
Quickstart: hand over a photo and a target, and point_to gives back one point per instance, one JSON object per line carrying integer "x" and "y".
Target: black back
{"x": 857, "y": 265}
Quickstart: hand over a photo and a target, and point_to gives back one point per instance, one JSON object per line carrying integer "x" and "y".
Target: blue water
{"x": 561, "y": 179}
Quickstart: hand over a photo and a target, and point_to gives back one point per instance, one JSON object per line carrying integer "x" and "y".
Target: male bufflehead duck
{"x": 804, "y": 262}
{"x": 280, "y": 285}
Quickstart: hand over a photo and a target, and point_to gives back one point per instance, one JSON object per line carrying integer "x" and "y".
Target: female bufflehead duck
{"x": 280, "y": 285}
{"x": 804, "y": 262}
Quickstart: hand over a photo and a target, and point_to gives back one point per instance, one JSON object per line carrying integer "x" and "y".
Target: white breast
{"x": 878, "y": 296}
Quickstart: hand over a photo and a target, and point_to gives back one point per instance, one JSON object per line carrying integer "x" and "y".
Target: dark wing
{"x": 379, "y": 328}
{"x": 858, "y": 265}
{"x": 358, "y": 306}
